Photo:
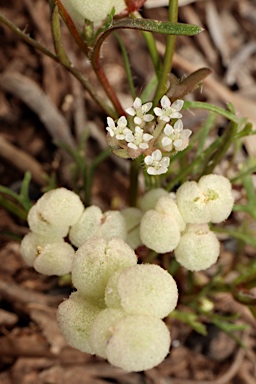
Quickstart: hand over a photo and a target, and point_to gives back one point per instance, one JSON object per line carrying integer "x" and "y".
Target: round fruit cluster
{"x": 119, "y": 305}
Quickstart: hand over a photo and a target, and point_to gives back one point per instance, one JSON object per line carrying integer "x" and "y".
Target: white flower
{"x": 120, "y": 131}
{"x": 139, "y": 111}
{"x": 138, "y": 139}
{"x": 157, "y": 164}
{"x": 175, "y": 137}
{"x": 168, "y": 110}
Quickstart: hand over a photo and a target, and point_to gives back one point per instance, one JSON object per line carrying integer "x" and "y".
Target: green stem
{"x": 151, "y": 44}
{"x": 75, "y": 72}
{"x": 134, "y": 175}
{"x": 126, "y": 65}
{"x": 90, "y": 174}
{"x": 169, "y": 52}
{"x": 56, "y": 34}
{"x": 217, "y": 156}
{"x": 71, "y": 27}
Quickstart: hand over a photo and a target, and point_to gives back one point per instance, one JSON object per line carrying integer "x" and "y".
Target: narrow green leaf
{"x": 191, "y": 319}
{"x": 163, "y": 27}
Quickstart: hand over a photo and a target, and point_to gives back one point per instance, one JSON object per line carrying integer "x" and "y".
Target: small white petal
{"x": 122, "y": 122}
{"x": 111, "y": 122}
{"x": 130, "y": 111}
{"x": 111, "y": 132}
{"x": 178, "y": 104}
{"x": 157, "y": 155}
{"x": 185, "y": 134}
{"x": 165, "y": 102}
{"x": 138, "y": 130}
{"x": 166, "y": 161}
{"x": 178, "y": 125}
{"x": 120, "y": 137}
{"x": 146, "y": 107}
{"x": 168, "y": 129}
{"x": 129, "y": 138}
{"x": 127, "y": 131}
{"x": 143, "y": 146}
{"x": 166, "y": 141}
{"x": 158, "y": 111}
{"x": 148, "y": 160}
{"x": 133, "y": 146}
{"x": 152, "y": 171}
{"x": 137, "y": 120}
{"x": 165, "y": 118}
{"x": 147, "y": 137}
{"x": 148, "y": 118}
{"x": 176, "y": 115}
{"x": 137, "y": 103}
{"x": 177, "y": 143}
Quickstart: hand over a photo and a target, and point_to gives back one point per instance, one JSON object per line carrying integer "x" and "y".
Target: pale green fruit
{"x": 55, "y": 212}
{"x": 94, "y": 11}
{"x": 159, "y": 232}
{"x": 149, "y": 200}
{"x": 145, "y": 289}
{"x": 60, "y": 207}
{"x": 192, "y": 204}
{"x": 86, "y": 227}
{"x": 39, "y": 224}
{"x": 168, "y": 206}
{"x": 93, "y": 223}
{"x": 218, "y": 194}
{"x": 138, "y": 343}
{"x": 96, "y": 260}
{"x": 112, "y": 297}
{"x": 102, "y": 329}
{"x": 33, "y": 244}
{"x": 132, "y": 217}
{"x": 55, "y": 259}
{"x": 198, "y": 248}
{"x": 75, "y": 318}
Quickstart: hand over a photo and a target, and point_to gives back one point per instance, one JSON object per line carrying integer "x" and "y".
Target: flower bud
{"x": 102, "y": 329}
{"x": 198, "y": 248}
{"x": 149, "y": 200}
{"x": 75, "y": 318}
{"x": 145, "y": 289}
{"x": 159, "y": 232}
{"x": 218, "y": 194}
{"x": 94, "y": 11}
{"x": 96, "y": 260}
{"x": 138, "y": 343}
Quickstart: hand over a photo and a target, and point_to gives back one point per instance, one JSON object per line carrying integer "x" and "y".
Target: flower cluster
{"x": 157, "y": 135}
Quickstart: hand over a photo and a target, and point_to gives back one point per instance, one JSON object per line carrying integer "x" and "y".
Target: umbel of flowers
{"x": 118, "y": 308}
{"x": 157, "y": 135}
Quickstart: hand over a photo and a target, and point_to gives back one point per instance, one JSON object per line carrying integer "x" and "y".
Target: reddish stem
{"x": 71, "y": 27}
